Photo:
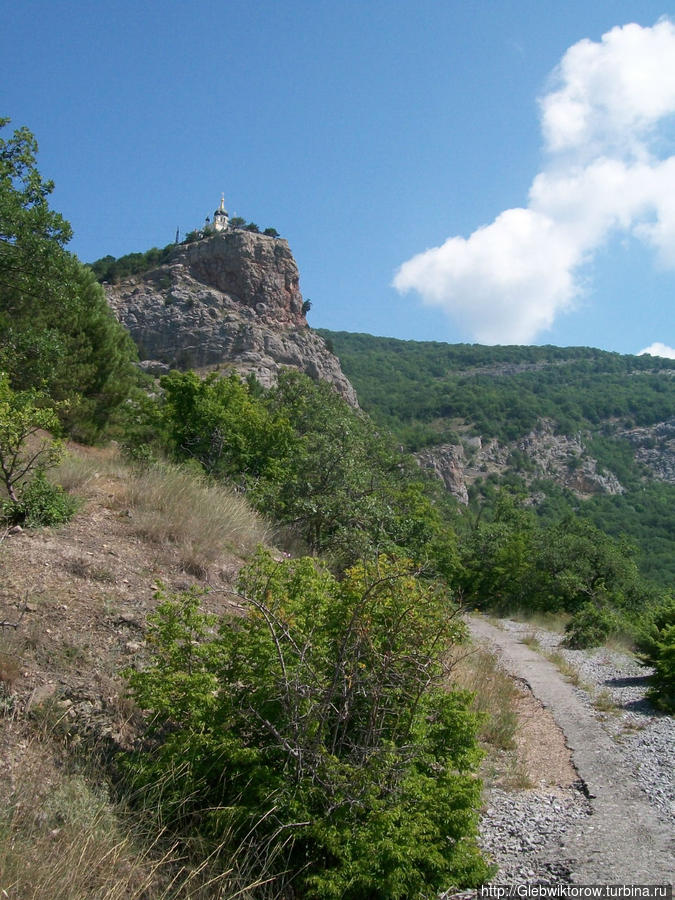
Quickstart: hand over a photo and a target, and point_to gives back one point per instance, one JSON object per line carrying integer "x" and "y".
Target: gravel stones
{"x": 645, "y": 737}
{"x": 545, "y": 836}
{"x": 522, "y": 832}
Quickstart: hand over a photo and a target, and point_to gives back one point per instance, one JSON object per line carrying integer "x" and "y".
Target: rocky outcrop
{"x": 448, "y": 463}
{"x": 561, "y": 458}
{"x": 229, "y": 299}
{"x": 654, "y": 447}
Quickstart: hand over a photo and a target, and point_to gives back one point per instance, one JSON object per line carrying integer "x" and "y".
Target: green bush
{"x": 40, "y": 503}
{"x": 590, "y": 626}
{"x": 316, "y": 731}
{"x": 657, "y": 646}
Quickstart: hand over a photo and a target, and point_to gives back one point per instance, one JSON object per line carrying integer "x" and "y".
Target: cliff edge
{"x": 231, "y": 298}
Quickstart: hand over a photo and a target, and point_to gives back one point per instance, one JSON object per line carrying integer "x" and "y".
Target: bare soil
{"x": 80, "y": 596}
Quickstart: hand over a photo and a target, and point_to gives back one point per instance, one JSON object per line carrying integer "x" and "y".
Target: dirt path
{"x": 625, "y": 840}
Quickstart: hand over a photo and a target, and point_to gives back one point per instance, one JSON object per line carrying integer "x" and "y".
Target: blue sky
{"x": 442, "y": 169}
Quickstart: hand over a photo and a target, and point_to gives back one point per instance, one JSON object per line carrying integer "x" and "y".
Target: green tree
{"x": 656, "y": 641}
{"x": 22, "y": 450}
{"x": 224, "y": 426}
{"x": 318, "y": 729}
{"x": 345, "y": 487}
{"x": 56, "y": 330}
{"x": 497, "y": 557}
{"x": 577, "y": 564}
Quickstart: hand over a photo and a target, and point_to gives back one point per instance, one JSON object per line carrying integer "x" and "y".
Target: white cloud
{"x": 602, "y": 123}
{"x": 659, "y": 349}
{"x": 611, "y": 93}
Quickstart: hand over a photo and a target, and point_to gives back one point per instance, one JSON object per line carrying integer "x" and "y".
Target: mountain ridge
{"x": 576, "y": 431}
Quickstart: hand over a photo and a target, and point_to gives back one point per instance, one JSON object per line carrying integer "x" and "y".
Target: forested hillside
{"x": 426, "y": 391}
{"x": 433, "y": 393}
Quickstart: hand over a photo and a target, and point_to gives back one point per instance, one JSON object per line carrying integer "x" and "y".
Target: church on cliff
{"x": 221, "y": 221}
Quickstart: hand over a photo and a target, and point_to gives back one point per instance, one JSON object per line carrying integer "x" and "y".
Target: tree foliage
{"x": 113, "y": 270}
{"x": 422, "y": 389}
{"x": 25, "y": 453}
{"x": 346, "y": 487}
{"x": 56, "y": 331}
{"x": 318, "y": 725}
{"x": 656, "y": 641}
{"x": 219, "y": 422}
{"x": 512, "y": 561}
{"x": 307, "y": 460}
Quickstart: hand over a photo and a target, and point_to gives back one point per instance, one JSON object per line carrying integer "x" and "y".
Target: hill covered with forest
{"x": 575, "y": 429}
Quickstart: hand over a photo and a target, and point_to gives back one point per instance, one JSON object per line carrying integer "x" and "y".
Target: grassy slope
{"x": 86, "y": 590}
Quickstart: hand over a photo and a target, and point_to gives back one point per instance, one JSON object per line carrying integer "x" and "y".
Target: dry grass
{"x": 63, "y": 837}
{"x": 604, "y": 702}
{"x": 498, "y": 701}
{"x": 561, "y": 664}
{"x": 84, "y": 471}
{"x": 551, "y": 621}
{"x": 569, "y": 672}
{"x": 495, "y": 696}
{"x": 10, "y": 669}
{"x": 168, "y": 505}
{"x": 532, "y": 641}
{"x": 622, "y": 642}
{"x": 202, "y": 519}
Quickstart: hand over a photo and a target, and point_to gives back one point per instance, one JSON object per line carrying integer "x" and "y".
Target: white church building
{"x": 220, "y": 218}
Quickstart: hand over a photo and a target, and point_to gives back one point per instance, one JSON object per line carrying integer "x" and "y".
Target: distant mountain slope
{"x": 577, "y": 429}
{"x": 425, "y": 391}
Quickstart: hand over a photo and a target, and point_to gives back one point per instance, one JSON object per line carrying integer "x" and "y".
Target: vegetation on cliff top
{"x": 113, "y": 269}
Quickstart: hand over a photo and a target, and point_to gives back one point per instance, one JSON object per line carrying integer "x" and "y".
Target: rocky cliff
{"x": 232, "y": 298}
{"x": 561, "y": 458}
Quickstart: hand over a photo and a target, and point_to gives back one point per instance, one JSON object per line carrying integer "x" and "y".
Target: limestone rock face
{"x": 448, "y": 463}
{"x": 561, "y": 458}
{"x": 654, "y": 447}
{"x": 229, "y": 299}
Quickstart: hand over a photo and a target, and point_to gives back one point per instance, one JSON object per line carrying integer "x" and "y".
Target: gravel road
{"x": 616, "y": 826}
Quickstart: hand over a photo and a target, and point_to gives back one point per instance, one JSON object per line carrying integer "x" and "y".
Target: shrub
{"x": 590, "y": 626}
{"x": 657, "y": 646}
{"x": 40, "y": 503}
{"x": 315, "y": 730}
